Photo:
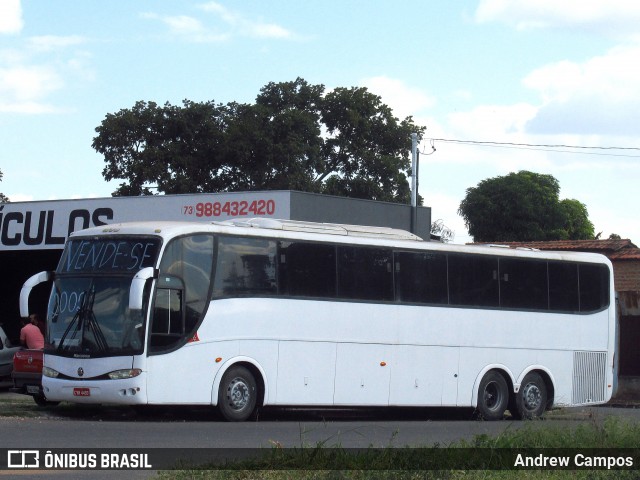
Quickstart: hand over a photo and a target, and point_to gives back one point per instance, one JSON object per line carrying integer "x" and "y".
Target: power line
{"x": 544, "y": 147}
{"x": 532, "y": 144}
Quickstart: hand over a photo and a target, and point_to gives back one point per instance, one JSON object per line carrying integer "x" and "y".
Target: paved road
{"x": 120, "y": 427}
{"x": 77, "y": 426}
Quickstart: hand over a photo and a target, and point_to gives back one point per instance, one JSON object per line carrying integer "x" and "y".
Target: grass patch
{"x": 484, "y": 457}
{"x": 610, "y": 432}
{"x": 18, "y": 406}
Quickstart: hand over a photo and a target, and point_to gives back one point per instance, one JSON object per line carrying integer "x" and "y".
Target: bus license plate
{"x": 81, "y": 392}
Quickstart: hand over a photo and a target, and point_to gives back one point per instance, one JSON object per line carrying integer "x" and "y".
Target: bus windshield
{"x": 88, "y": 314}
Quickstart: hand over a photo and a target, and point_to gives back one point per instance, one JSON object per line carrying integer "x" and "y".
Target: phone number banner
{"x": 47, "y": 224}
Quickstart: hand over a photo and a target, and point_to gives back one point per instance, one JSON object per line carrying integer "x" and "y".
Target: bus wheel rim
{"x": 238, "y": 394}
{"x": 492, "y": 396}
{"x": 531, "y": 396}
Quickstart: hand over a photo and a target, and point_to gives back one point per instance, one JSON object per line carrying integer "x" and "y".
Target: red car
{"x": 27, "y": 375}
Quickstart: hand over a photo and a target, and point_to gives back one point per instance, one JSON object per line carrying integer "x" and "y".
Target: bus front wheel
{"x": 493, "y": 396}
{"x": 238, "y": 394}
{"x": 531, "y": 399}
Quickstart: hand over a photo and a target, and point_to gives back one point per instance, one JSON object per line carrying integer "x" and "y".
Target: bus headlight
{"x": 49, "y": 372}
{"x": 126, "y": 373}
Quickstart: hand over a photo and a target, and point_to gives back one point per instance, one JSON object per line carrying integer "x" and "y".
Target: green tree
{"x": 295, "y": 136}
{"x": 3, "y": 197}
{"x": 523, "y": 206}
{"x": 576, "y": 220}
{"x": 174, "y": 149}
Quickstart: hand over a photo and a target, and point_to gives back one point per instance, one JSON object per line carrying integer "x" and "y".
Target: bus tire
{"x": 493, "y": 396}
{"x": 238, "y": 394}
{"x": 41, "y": 401}
{"x": 531, "y": 399}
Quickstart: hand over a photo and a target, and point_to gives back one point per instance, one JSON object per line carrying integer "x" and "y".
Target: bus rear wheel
{"x": 493, "y": 396}
{"x": 531, "y": 399}
{"x": 238, "y": 394}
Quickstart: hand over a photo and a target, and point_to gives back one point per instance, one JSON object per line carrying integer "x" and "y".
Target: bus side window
{"x": 307, "y": 269}
{"x": 563, "y": 287}
{"x": 594, "y": 287}
{"x": 182, "y": 293}
{"x": 245, "y": 267}
{"x": 167, "y": 324}
{"x": 167, "y": 312}
{"x": 523, "y": 284}
{"x": 421, "y": 277}
{"x": 365, "y": 273}
{"x": 473, "y": 280}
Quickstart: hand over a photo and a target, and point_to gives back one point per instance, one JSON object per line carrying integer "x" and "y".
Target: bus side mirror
{"x": 136, "y": 291}
{"x": 36, "y": 279}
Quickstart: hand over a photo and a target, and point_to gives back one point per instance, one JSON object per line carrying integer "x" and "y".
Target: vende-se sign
{"x": 47, "y": 224}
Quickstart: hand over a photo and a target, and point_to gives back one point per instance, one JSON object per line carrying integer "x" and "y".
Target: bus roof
{"x": 326, "y": 232}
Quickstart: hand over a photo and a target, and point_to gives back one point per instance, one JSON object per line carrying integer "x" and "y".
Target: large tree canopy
{"x": 295, "y": 136}
{"x": 523, "y": 206}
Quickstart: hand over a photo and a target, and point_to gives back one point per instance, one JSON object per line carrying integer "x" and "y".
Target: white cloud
{"x": 233, "y": 24}
{"x": 46, "y": 43}
{"x": 184, "y": 24}
{"x": 22, "y": 88}
{"x": 30, "y": 74}
{"x": 588, "y": 100}
{"x": 243, "y": 25}
{"x": 597, "y": 96}
{"x": 189, "y": 28}
{"x": 10, "y": 16}
{"x": 617, "y": 17}
{"x": 404, "y": 100}
{"x": 269, "y": 30}
{"x": 494, "y": 122}
{"x": 614, "y": 75}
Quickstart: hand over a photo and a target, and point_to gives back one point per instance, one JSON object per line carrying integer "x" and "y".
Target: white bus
{"x": 267, "y": 312}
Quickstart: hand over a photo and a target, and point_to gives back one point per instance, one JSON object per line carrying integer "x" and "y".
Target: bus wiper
{"x": 83, "y": 319}
{"x": 93, "y": 325}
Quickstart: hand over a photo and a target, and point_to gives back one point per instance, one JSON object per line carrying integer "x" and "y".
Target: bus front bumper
{"x": 130, "y": 391}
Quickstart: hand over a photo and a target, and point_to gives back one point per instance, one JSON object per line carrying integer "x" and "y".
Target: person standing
{"x": 30, "y": 335}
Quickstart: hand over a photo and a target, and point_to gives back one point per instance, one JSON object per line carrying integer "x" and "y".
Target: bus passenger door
{"x": 175, "y": 369}
{"x": 363, "y": 372}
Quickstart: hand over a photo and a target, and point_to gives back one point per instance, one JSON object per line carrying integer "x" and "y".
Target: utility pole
{"x": 414, "y": 169}
{"x": 414, "y": 183}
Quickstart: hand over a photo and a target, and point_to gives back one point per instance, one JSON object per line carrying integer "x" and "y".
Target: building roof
{"x": 623, "y": 249}
{"x": 626, "y": 254}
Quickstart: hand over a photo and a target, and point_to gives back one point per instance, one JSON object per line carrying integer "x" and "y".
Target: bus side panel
{"x": 185, "y": 376}
{"x": 264, "y": 355}
{"x": 363, "y": 373}
{"x": 306, "y": 373}
{"x": 424, "y": 376}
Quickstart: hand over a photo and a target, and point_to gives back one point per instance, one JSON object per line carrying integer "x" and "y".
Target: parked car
{"x": 7, "y": 350}
{"x": 27, "y": 375}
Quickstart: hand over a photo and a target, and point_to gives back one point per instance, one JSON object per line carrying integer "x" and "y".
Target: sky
{"x": 501, "y": 85}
